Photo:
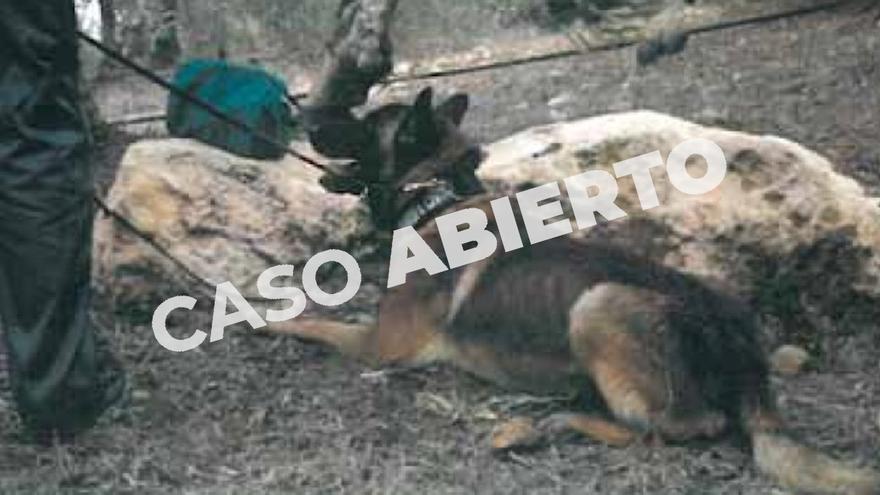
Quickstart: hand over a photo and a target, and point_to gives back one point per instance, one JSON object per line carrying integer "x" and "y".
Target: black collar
{"x": 426, "y": 205}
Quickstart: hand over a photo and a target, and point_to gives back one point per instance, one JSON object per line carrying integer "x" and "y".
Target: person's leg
{"x": 46, "y": 222}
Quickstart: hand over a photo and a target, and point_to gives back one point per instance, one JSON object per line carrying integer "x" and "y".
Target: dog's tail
{"x": 350, "y": 339}
{"x": 801, "y": 468}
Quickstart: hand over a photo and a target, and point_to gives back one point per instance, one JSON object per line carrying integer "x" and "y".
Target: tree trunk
{"x": 360, "y": 53}
{"x": 360, "y": 56}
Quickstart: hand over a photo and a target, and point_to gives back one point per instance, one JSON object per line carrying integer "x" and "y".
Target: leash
{"x": 203, "y": 283}
{"x": 584, "y": 47}
{"x": 199, "y": 102}
{"x": 207, "y": 288}
{"x": 153, "y": 243}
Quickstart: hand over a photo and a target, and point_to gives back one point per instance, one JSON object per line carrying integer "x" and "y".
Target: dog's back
{"x": 667, "y": 355}
{"x": 524, "y": 303}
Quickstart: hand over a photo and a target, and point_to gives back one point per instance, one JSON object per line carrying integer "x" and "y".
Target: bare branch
{"x": 360, "y": 53}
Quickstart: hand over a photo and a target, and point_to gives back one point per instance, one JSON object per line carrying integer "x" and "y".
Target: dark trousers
{"x": 46, "y": 215}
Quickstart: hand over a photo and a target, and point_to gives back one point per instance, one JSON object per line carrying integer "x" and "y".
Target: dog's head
{"x": 408, "y": 152}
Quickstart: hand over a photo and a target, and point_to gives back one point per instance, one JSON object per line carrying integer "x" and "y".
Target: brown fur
{"x": 597, "y": 428}
{"x": 669, "y": 356}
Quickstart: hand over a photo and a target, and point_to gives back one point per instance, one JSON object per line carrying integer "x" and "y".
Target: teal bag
{"x": 249, "y": 95}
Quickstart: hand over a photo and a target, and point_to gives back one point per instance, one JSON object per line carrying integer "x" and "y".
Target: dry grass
{"x": 253, "y": 414}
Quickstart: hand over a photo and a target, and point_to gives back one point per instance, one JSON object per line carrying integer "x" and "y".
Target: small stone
{"x": 789, "y": 360}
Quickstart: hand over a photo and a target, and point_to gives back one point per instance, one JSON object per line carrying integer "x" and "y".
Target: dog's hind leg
{"x": 595, "y": 427}
{"x": 523, "y": 432}
{"x": 619, "y": 335}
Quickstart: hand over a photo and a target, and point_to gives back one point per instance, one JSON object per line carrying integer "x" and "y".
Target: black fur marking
{"x": 521, "y": 306}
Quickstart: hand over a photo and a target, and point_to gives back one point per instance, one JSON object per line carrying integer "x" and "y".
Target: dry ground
{"x": 255, "y": 414}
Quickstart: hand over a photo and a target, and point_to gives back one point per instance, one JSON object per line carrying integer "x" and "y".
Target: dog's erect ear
{"x": 454, "y": 108}
{"x": 424, "y": 99}
{"x": 417, "y": 134}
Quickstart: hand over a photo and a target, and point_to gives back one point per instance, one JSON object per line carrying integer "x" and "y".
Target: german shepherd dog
{"x": 669, "y": 356}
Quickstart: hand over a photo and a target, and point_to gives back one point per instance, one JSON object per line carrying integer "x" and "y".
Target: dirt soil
{"x": 258, "y": 414}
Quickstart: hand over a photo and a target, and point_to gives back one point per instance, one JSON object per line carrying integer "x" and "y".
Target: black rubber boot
{"x": 60, "y": 383}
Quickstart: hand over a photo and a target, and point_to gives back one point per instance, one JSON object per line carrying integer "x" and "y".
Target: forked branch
{"x": 360, "y": 53}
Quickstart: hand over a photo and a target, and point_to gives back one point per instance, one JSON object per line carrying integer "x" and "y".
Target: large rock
{"x": 225, "y": 217}
{"x": 786, "y": 231}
